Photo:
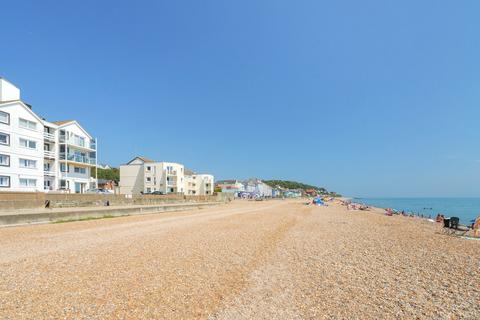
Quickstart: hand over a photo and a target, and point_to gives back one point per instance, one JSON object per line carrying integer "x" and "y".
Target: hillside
{"x": 298, "y": 185}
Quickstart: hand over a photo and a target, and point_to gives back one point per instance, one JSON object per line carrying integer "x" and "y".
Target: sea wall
{"x": 10, "y": 201}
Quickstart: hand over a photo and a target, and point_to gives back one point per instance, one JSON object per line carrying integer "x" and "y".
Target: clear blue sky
{"x": 367, "y": 98}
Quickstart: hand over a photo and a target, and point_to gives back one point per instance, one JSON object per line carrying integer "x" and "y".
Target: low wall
{"x": 48, "y": 216}
{"x": 30, "y": 200}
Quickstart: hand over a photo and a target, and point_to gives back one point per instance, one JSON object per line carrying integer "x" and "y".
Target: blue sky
{"x": 367, "y": 98}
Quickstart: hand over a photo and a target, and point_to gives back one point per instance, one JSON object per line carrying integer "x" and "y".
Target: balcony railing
{"x": 172, "y": 172}
{"x": 49, "y": 136}
{"x": 92, "y": 145}
{"x": 48, "y": 173}
{"x": 79, "y": 159}
{"x": 49, "y": 154}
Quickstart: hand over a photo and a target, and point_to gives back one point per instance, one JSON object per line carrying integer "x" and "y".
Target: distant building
{"x": 198, "y": 184}
{"x": 142, "y": 175}
{"x": 106, "y": 184}
{"x": 258, "y": 188}
{"x": 230, "y": 186}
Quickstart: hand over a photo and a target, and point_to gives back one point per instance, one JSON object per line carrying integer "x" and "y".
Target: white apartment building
{"x": 37, "y": 155}
{"x": 198, "y": 184}
{"x": 142, "y": 175}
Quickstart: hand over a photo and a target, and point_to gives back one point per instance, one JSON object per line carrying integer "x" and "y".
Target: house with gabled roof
{"x": 38, "y": 155}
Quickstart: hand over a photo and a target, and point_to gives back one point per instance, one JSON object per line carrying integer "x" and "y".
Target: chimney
{"x": 8, "y": 91}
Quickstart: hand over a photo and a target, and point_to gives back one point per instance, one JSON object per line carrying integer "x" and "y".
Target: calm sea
{"x": 466, "y": 209}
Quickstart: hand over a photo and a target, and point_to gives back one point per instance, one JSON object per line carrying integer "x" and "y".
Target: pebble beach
{"x": 278, "y": 259}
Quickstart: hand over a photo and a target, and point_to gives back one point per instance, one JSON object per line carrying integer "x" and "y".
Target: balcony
{"x": 49, "y": 136}
{"x": 78, "y": 159}
{"x": 172, "y": 172}
{"x": 49, "y": 173}
{"x": 171, "y": 184}
{"x": 90, "y": 146}
{"x": 48, "y": 154}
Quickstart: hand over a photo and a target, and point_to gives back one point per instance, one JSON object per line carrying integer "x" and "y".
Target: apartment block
{"x": 38, "y": 155}
{"x": 142, "y": 175}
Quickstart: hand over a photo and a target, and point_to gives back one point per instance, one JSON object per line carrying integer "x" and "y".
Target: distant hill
{"x": 298, "y": 185}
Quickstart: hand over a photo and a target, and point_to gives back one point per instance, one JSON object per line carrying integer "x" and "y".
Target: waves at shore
{"x": 466, "y": 209}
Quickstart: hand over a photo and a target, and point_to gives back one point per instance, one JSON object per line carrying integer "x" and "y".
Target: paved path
{"x": 244, "y": 260}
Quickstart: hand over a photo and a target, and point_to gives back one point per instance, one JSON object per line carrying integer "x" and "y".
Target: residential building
{"x": 77, "y": 156}
{"x": 258, "y": 187}
{"x": 37, "y": 155}
{"x": 109, "y": 185}
{"x": 231, "y": 186}
{"x": 198, "y": 184}
{"x": 142, "y": 175}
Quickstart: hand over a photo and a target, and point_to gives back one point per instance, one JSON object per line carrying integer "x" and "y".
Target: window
{"x": 4, "y": 139}
{"x": 149, "y": 190}
{"x": 80, "y": 170}
{"x": 27, "y": 124}
{"x": 29, "y": 144}
{"x": 4, "y": 117}
{"x": 149, "y": 168}
{"x": 79, "y": 141}
{"x": 64, "y": 168}
{"x": 4, "y": 181}
{"x": 26, "y": 163}
{"x": 4, "y": 160}
{"x": 28, "y": 182}
{"x": 149, "y": 179}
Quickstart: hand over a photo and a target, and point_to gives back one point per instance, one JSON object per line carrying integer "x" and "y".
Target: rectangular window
{"x": 27, "y": 124}
{"x": 26, "y": 163}
{"x": 29, "y": 144}
{"x": 4, "y": 160}
{"x": 149, "y": 168}
{"x": 28, "y": 182}
{"x": 64, "y": 168}
{"x": 4, "y": 117}
{"x": 149, "y": 179}
{"x": 80, "y": 170}
{"x": 4, "y": 139}
{"x": 4, "y": 181}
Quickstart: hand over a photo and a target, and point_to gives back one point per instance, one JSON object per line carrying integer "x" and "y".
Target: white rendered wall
{"x": 16, "y": 152}
{"x": 8, "y": 91}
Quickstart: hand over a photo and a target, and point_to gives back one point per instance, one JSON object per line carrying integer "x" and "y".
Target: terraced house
{"x": 37, "y": 155}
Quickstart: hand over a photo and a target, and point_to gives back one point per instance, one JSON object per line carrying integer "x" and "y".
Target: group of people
{"x": 475, "y": 225}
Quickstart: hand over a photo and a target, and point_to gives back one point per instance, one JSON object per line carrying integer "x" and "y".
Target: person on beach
{"x": 439, "y": 218}
{"x": 476, "y": 227}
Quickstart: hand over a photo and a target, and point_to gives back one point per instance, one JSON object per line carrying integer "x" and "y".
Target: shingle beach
{"x": 245, "y": 260}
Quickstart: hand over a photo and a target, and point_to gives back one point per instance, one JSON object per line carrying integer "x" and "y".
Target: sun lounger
{"x": 452, "y": 226}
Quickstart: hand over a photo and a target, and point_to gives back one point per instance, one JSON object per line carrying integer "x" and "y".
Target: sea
{"x": 467, "y": 209}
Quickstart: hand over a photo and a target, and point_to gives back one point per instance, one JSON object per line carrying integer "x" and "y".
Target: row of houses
{"x": 41, "y": 155}
{"x": 256, "y": 188}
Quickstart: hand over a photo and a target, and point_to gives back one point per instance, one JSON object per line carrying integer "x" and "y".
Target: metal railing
{"x": 48, "y": 173}
{"x": 49, "y": 136}
{"x": 49, "y": 154}
{"x": 77, "y": 158}
{"x": 71, "y": 141}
